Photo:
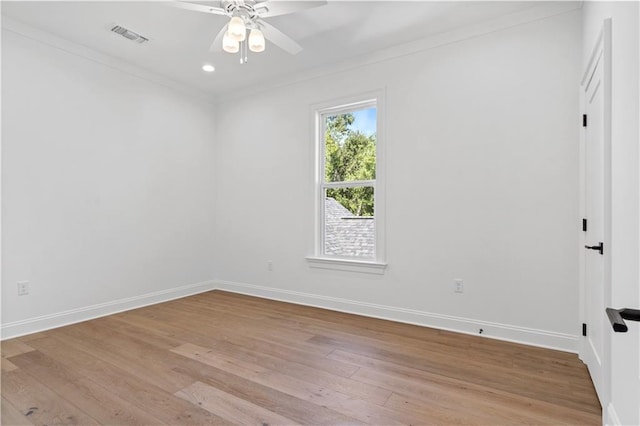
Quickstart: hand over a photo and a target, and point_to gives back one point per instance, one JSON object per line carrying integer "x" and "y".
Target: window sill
{"x": 368, "y": 267}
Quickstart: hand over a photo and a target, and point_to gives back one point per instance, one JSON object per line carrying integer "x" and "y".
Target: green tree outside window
{"x": 350, "y": 156}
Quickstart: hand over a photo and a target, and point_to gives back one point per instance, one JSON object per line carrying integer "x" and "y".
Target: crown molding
{"x": 531, "y": 14}
{"x": 534, "y": 13}
{"x": 51, "y": 40}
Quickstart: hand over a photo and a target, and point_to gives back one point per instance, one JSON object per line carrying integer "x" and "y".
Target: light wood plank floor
{"x": 222, "y": 358}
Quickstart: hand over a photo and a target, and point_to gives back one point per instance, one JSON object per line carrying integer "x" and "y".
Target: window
{"x": 348, "y": 191}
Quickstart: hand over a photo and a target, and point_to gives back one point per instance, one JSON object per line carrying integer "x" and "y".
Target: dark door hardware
{"x": 617, "y": 317}
{"x": 584, "y": 225}
{"x": 584, "y": 329}
{"x": 599, "y": 247}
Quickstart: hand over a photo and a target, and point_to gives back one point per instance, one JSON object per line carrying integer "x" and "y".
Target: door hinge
{"x": 584, "y": 120}
{"x": 584, "y": 329}
{"x": 584, "y": 225}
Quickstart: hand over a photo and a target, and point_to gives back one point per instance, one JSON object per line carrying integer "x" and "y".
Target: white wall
{"x": 106, "y": 186}
{"x": 625, "y": 202}
{"x": 108, "y": 194}
{"x": 482, "y": 184}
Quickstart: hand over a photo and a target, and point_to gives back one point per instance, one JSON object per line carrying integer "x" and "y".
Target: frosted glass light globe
{"x": 229, "y": 44}
{"x": 237, "y": 30}
{"x": 256, "y": 41}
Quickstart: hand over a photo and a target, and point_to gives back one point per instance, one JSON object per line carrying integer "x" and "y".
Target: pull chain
{"x": 244, "y": 52}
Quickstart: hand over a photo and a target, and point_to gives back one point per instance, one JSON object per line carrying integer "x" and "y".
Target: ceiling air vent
{"x": 128, "y": 34}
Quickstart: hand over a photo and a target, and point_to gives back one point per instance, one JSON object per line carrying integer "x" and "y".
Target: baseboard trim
{"x": 47, "y": 322}
{"x": 506, "y": 332}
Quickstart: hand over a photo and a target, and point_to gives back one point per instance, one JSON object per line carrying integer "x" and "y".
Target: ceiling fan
{"x": 246, "y": 28}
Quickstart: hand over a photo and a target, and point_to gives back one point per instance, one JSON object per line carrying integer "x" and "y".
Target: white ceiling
{"x": 180, "y": 39}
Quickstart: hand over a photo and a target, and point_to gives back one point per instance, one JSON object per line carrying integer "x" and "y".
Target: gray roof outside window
{"x": 347, "y": 234}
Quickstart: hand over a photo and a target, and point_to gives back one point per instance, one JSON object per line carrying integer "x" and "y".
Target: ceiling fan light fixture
{"x": 256, "y": 41}
{"x": 237, "y": 29}
{"x": 229, "y": 44}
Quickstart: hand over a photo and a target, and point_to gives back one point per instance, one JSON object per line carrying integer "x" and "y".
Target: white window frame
{"x": 319, "y": 111}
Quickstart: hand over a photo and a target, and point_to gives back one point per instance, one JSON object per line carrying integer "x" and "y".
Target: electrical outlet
{"x": 269, "y": 265}
{"x": 23, "y": 288}
{"x": 458, "y": 286}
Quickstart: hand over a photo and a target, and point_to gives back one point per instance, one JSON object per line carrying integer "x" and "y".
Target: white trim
{"x": 498, "y": 331}
{"x": 506, "y": 332}
{"x": 601, "y": 52}
{"x": 349, "y": 265}
{"x": 349, "y": 184}
{"x": 611, "y": 416}
{"x": 347, "y": 102}
{"x": 535, "y": 13}
{"x": 2, "y": 283}
{"x": 582, "y": 214}
{"x": 380, "y": 195}
{"x": 352, "y": 105}
{"x": 607, "y": 79}
{"x": 319, "y": 110}
{"x": 72, "y": 48}
{"x": 60, "y": 319}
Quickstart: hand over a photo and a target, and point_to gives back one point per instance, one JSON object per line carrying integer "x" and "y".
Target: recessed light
{"x": 208, "y": 68}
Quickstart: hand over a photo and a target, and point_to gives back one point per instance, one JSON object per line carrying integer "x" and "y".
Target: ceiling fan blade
{"x": 198, "y": 7}
{"x": 270, "y": 8}
{"x": 278, "y": 38}
{"x": 216, "y": 46}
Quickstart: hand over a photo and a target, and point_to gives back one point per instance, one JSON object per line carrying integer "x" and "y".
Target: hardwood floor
{"x": 222, "y": 358}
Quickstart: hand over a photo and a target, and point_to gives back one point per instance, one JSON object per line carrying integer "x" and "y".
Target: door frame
{"x": 601, "y": 49}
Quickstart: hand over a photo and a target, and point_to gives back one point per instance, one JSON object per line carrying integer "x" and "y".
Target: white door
{"x": 624, "y": 406}
{"x": 613, "y": 358}
{"x": 596, "y": 283}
